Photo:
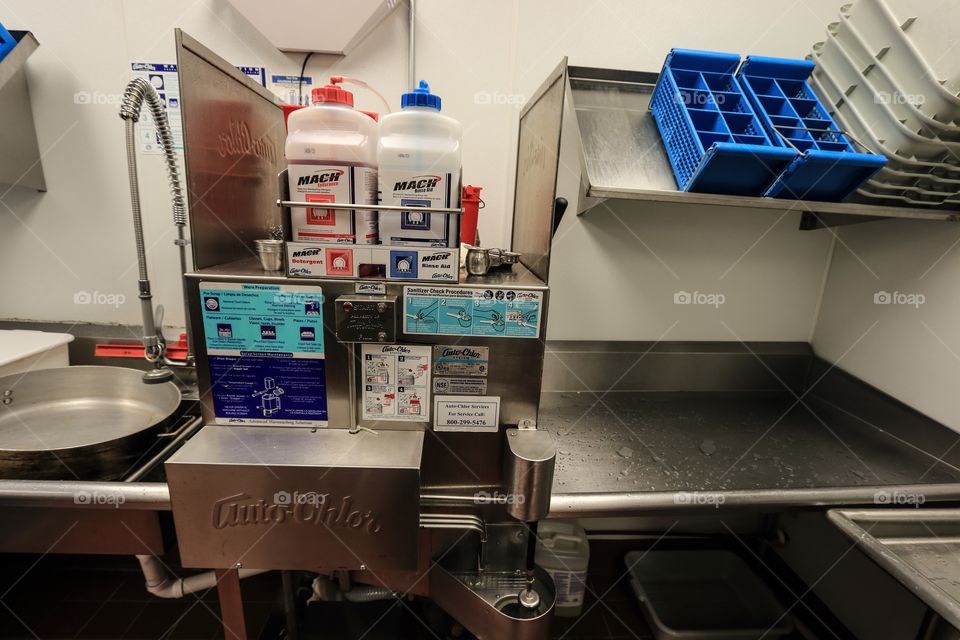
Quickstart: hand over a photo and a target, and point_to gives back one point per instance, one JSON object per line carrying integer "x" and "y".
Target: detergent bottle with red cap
{"x": 331, "y": 155}
{"x": 418, "y": 163}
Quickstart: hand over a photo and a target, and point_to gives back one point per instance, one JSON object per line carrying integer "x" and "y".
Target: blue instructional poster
{"x": 265, "y": 349}
{"x": 444, "y": 311}
{"x": 257, "y": 74}
{"x": 163, "y": 77}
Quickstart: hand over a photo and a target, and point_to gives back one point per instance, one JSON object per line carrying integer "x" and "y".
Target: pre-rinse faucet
{"x": 154, "y": 344}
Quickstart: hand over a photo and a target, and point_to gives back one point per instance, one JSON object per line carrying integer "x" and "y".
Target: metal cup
{"x": 270, "y": 253}
{"x": 478, "y": 261}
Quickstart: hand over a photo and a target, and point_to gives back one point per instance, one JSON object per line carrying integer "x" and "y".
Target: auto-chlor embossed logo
{"x": 314, "y": 508}
{"x": 237, "y": 141}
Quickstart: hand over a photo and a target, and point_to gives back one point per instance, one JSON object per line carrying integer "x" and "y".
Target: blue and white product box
{"x": 309, "y": 260}
{"x": 419, "y": 226}
{"x": 443, "y": 311}
{"x": 265, "y": 349}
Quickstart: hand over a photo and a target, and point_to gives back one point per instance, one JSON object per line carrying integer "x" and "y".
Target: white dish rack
{"x": 880, "y": 88}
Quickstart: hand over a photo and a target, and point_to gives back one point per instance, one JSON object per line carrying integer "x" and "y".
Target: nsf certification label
{"x": 444, "y": 311}
{"x": 466, "y": 413}
{"x": 460, "y": 386}
{"x": 460, "y": 370}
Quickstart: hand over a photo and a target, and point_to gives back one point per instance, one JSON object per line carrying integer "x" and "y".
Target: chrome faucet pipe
{"x": 136, "y": 93}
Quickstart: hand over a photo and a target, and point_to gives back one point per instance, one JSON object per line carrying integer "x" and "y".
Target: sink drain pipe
{"x": 160, "y": 583}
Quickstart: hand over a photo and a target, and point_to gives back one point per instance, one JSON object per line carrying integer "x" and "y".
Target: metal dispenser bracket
{"x": 531, "y": 456}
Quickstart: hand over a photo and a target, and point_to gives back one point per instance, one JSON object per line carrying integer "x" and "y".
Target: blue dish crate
{"x": 715, "y": 142}
{"x": 829, "y": 167}
{"x": 7, "y": 42}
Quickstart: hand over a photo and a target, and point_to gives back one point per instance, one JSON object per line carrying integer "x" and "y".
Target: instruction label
{"x": 467, "y": 413}
{"x": 396, "y": 382}
{"x": 455, "y": 360}
{"x": 446, "y": 311}
{"x": 266, "y": 353}
{"x": 163, "y": 77}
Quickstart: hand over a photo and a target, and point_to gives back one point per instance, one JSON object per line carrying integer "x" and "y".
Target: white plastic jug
{"x": 332, "y": 157}
{"x": 418, "y": 160}
{"x": 564, "y": 552}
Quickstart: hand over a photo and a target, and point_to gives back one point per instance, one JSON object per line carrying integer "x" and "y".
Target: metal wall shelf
{"x": 20, "y": 161}
{"x": 610, "y": 148}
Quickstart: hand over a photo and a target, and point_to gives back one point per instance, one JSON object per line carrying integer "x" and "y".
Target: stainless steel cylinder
{"x": 271, "y": 254}
{"x": 478, "y": 261}
{"x": 528, "y": 473}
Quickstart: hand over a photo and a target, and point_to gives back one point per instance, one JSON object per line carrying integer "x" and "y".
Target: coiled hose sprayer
{"x": 154, "y": 345}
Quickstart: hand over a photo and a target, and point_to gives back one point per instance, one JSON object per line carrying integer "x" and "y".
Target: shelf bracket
{"x": 20, "y": 161}
{"x": 810, "y": 221}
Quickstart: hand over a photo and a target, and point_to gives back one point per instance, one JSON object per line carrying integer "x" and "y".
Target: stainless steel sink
{"x": 919, "y": 547}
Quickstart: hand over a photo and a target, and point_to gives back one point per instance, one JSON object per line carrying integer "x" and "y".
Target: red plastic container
{"x": 470, "y": 200}
{"x": 287, "y": 110}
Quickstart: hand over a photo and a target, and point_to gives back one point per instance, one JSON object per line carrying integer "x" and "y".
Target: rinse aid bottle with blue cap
{"x": 418, "y": 164}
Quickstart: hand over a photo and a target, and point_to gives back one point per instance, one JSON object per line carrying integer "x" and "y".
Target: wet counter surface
{"x": 648, "y": 443}
{"x": 918, "y": 547}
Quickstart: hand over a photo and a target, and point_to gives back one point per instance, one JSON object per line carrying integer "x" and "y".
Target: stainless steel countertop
{"x": 660, "y": 451}
{"x": 648, "y": 452}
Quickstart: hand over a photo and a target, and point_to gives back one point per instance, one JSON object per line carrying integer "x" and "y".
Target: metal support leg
{"x": 231, "y": 604}
{"x": 290, "y": 604}
{"x": 934, "y": 627}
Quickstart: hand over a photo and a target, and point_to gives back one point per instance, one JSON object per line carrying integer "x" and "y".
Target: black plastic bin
{"x": 704, "y": 595}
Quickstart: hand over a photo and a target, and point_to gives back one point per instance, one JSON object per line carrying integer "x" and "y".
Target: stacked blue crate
{"x": 7, "y": 42}
{"x": 715, "y": 142}
{"x": 828, "y": 167}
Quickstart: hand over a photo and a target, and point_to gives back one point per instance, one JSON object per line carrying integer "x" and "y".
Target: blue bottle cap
{"x": 420, "y": 97}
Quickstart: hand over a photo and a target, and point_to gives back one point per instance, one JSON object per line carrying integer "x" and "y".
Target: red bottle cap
{"x": 332, "y": 93}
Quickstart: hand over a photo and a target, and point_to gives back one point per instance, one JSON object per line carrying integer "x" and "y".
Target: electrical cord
{"x": 303, "y": 68}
